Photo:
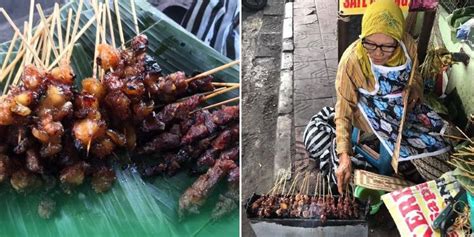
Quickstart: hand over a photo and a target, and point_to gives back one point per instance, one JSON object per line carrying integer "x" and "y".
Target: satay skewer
{"x": 217, "y": 104}
{"x": 76, "y": 26}
{"x": 226, "y": 84}
{"x": 46, "y": 25}
{"x": 7, "y": 57}
{"x": 119, "y": 23}
{"x": 68, "y": 27}
{"x": 71, "y": 44}
{"x": 58, "y": 26}
{"x": 28, "y": 46}
{"x": 111, "y": 26}
{"x": 212, "y": 71}
{"x": 134, "y": 14}
{"x": 220, "y": 92}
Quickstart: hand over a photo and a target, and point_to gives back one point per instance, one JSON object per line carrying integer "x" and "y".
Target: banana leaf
{"x": 134, "y": 206}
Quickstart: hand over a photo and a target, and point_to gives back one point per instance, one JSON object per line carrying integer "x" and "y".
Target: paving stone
{"x": 288, "y": 10}
{"x": 330, "y": 52}
{"x": 310, "y": 69}
{"x": 331, "y": 66}
{"x": 308, "y": 54}
{"x": 304, "y": 20}
{"x": 283, "y": 143}
{"x": 285, "y": 99}
{"x": 307, "y": 41}
{"x": 287, "y": 28}
{"x": 305, "y": 109}
{"x": 304, "y": 11}
{"x": 329, "y": 6}
{"x": 313, "y": 89}
{"x": 329, "y": 39}
{"x": 328, "y": 25}
{"x": 299, "y": 130}
{"x": 303, "y": 4}
{"x": 286, "y": 61}
{"x": 287, "y": 45}
{"x": 307, "y": 29}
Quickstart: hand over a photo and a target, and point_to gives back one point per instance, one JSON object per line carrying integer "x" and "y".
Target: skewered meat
{"x": 24, "y": 181}
{"x": 73, "y": 175}
{"x": 103, "y": 179}
{"x": 108, "y": 57}
{"x": 195, "y": 196}
{"x": 202, "y": 128}
{"x": 164, "y": 141}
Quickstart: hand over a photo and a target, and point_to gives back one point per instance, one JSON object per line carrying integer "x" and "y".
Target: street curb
{"x": 282, "y": 159}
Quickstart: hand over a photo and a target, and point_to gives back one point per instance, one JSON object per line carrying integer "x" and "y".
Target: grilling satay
{"x": 206, "y": 123}
{"x": 195, "y": 196}
{"x": 221, "y": 142}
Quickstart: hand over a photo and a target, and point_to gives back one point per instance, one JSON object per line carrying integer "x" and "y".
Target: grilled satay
{"x": 221, "y": 142}
{"x": 207, "y": 123}
{"x": 195, "y": 196}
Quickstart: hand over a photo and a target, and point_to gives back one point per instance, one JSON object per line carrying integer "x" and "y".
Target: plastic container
{"x": 375, "y": 197}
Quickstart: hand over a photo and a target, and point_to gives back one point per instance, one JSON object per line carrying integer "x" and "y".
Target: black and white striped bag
{"x": 216, "y": 23}
{"x": 319, "y": 132}
{"x": 320, "y": 141}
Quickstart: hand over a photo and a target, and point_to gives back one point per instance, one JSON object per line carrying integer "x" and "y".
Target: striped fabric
{"x": 320, "y": 142}
{"x": 216, "y": 23}
{"x": 319, "y": 132}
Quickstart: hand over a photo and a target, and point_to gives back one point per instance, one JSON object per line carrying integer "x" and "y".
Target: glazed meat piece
{"x": 225, "y": 115}
{"x": 118, "y": 104}
{"x": 203, "y": 84}
{"x": 179, "y": 110}
{"x": 202, "y": 128}
{"x": 103, "y": 179}
{"x": 108, "y": 57}
{"x": 24, "y": 181}
{"x": 195, "y": 196}
{"x": 164, "y": 141}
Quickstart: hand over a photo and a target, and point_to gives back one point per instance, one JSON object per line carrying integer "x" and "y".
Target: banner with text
{"x": 357, "y": 7}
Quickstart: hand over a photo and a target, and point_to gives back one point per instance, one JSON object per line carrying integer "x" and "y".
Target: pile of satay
{"x": 296, "y": 201}
{"x": 52, "y": 130}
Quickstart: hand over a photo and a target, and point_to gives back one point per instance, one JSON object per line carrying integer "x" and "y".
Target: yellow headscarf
{"x": 382, "y": 16}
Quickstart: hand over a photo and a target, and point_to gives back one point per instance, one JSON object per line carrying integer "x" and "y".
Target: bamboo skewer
{"x": 220, "y": 92}
{"x": 76, "y": 26}
{"x": 30, "y": 25}
{"x": 7, "y": 57}
{"x": 134, "y": 14}
{"x": 23, "y": 59}
{"x": 71, "y": 44}
{"x": 97, "y": 10}
{"x": 103, "y": 24}
{"x": 212, "y": 71}
{"x": 46, "y": 25}
{"x": 111, "y": 26}
{"x": 396, "y": 151}
{"x": 469, "y": 139}
{"x": 58, "y": 27}
{"x": 119, "y": 23}
{"x": 218, "y": 104}
{"x": 22, "y": 37}
{"x": 68, "y": 27}
{"x": 226, "y": 84}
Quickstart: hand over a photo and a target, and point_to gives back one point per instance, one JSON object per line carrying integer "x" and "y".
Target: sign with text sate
{"x": 357, "y": 7}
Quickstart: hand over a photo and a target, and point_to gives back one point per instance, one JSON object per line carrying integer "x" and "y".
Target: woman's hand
{"x": 343, "y": 172}
{"x": 413, "y": 99}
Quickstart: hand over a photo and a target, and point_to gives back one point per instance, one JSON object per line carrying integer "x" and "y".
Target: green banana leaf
{"x": 134, "y": 206}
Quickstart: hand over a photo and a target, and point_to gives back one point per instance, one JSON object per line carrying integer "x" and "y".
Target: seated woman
{"x": 371, "y": 81}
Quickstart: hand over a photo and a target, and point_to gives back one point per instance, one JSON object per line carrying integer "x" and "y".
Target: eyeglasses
{"x": 385, "y": 48}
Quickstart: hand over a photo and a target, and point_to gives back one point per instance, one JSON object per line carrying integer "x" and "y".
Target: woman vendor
{"x": 371, "y": 81}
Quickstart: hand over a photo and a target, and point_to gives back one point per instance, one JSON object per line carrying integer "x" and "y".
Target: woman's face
{"x": 380, "y": 47}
